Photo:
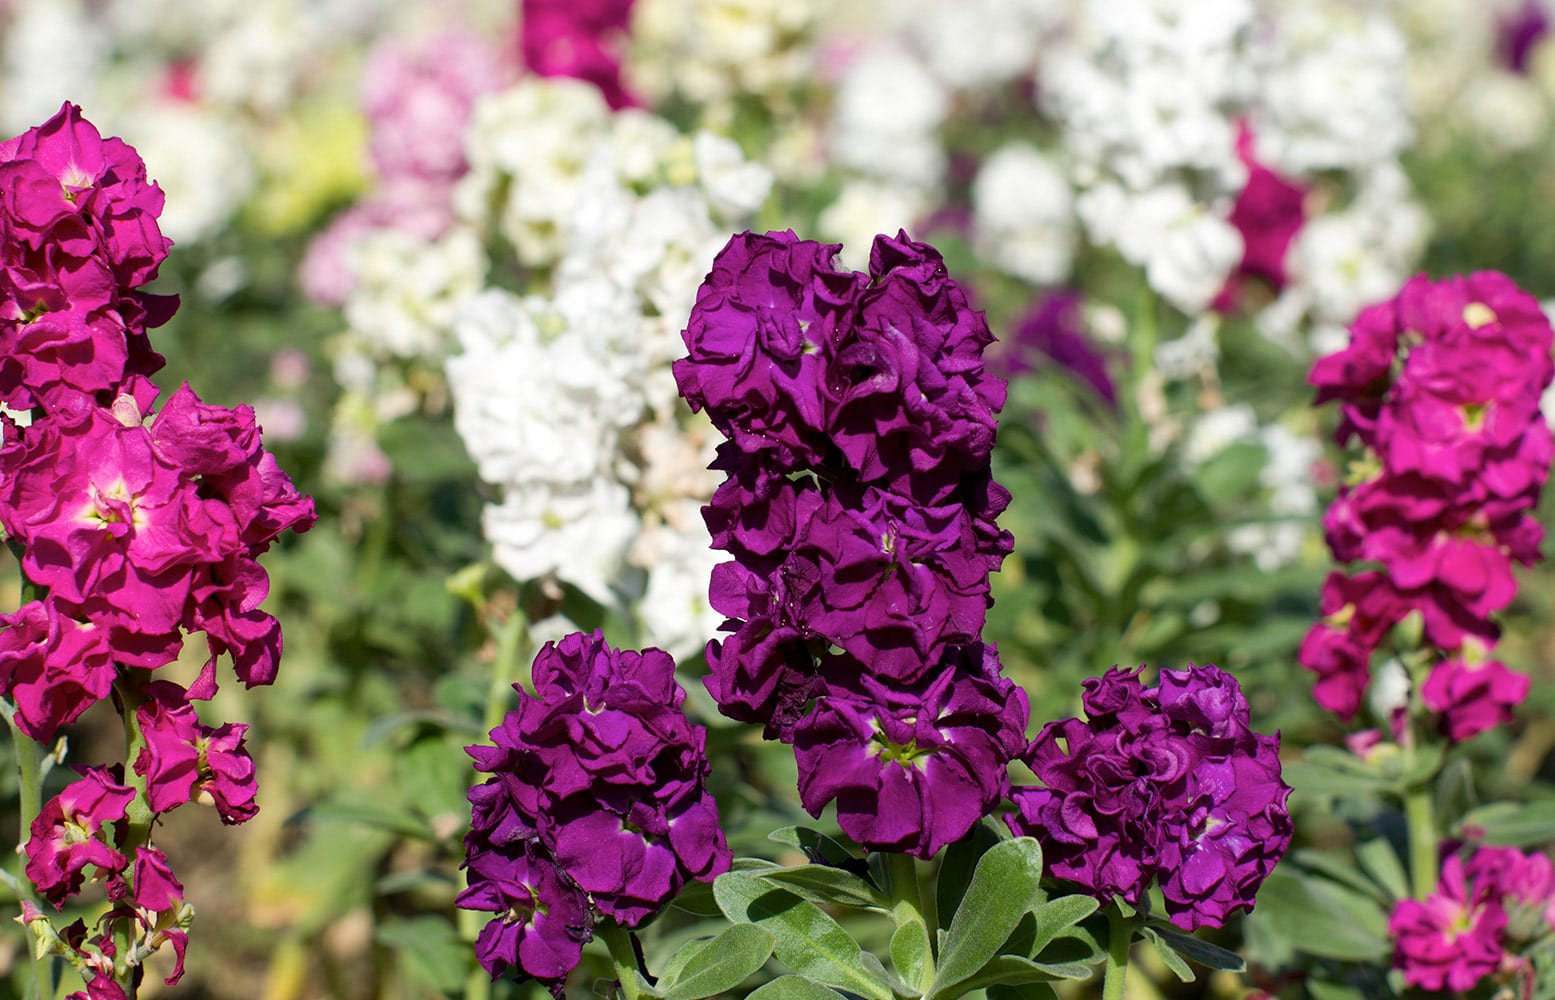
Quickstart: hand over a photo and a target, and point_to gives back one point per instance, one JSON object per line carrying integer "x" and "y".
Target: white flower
{"x": 976, "y": 43}
{"x": 713, "y": 50}
{"x": 1216, "y": 430}
{"x": 529, "y": 144}
{"x": 407, "y": 291}
{"x": 1024, "y": 213}
{"x": 734, "y": 186}
{"x": 886, "y": 118}
{"x": 674, "y": 613}
{"x": 580, "y": 534}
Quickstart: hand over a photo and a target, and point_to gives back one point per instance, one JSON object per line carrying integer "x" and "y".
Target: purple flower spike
{"x": 1167, "y": 784}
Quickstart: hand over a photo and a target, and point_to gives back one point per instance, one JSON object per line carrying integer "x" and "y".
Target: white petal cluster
{"x": 565, "y": 397}
{"x": 709, "y": 51}
{"x": 408, "y": 290}
{"x": 1023, "y": 214}
{"x": 1149, "y": 96}
{"x": 976, "y": 44}
{"x": 887, "y": 115}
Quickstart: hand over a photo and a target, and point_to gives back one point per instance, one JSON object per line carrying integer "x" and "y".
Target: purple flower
{"x": 1052, "y": 332}
{"x": 543, "y": 917}
{"x": 762, "y": 338}
{"x": 915, "y": 405}
{"x": 598, "y": 788}
{"x": 912, "y": 769}
{"x": 1167, "y": 784}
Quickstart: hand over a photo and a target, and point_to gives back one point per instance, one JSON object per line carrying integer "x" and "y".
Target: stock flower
{"x": 1472, "y": 694}
{"x": 1168, "y": 784}
{"x": 52, "y": 666}
{"x": 597, "y": 798}
{"x": 69, "y": 833}
{"x": 579, "y": 39}
{"x": 912, "y": 769}
{"x": 185, "y": 760}
{"x": 915, "y": 408}
{"x": 762, "y": 338}
{"x": 1453, "y": 938}
{"x": 1442, "y": 386}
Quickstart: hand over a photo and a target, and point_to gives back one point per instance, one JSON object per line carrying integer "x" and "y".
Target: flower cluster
{"x": 597, "y": 802}
{"x": 859, "y": 510}
{"x": 1167, "y": 784}
{"x": 134, "y": 527}
{"x": 580, "y": 40}
{"x": 1441, "y": 386}
{"x": 1490, "y": 905}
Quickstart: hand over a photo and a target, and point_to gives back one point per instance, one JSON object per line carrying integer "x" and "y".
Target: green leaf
{"x": 1339, "y": 871}
{"x": 431, "y": 949}
{"x": 827, "y": 886}
{"x": 1169, "y": 955}
{"x": 820, "y": 848}
{"x": 955, "y": 870}
{"x": 726, "y": 962}
{"x": 697, "y": 898}
{"x": 1031, "y": 991}
{"x": 1004, "y": 886}
{"x": 1321, "y": 990}
{"x": 807, "y": 940}
{"x": 1510, "y": 824}
{"x": 910, "y": 950}
{"x": 794, "y": 988}
{"x": 1211, "y": 956}
{"x": 1382, "y": 863}
{"x": 1322, "y": 918}
{"x": 1058, "y": 915}
{"x": 1328, "y": 772}
{"x": 402, "y": 822}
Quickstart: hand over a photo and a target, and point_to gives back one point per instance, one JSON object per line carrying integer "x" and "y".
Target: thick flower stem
{"x": 1424, "y": 863}
{"x": 908, "y": 906}
{"x": 1120, "y": 935}
{"x": 29, "y": 762}
{"x": 622, "y": 955}
{"x": 138, "y": 821}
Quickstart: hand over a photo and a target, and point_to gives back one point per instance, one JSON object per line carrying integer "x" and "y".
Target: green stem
{"x": 1424, "y": 863}
{"x": 908, "y": 907}
{"x": 138, "y": 821}
{"x": 510, "y": 649}
{"x": 622, "y": 955}
{"x": 1120, "y": 935}
{"x": 29, "y": 762}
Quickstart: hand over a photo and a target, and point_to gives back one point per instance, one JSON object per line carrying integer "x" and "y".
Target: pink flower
{"x": 67, "y": 835}
{"x": 580, "y": 39}
{"x": 1269, "y": 212}
{"x": 1473, "y": 695}
{"x": 184, "y": 759}
{"x": 1452, "y": 939}
{"x": 52, "y": 666}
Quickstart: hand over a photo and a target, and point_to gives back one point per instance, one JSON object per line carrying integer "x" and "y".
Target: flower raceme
{"x": 860, "y": 513}
{"x": 138, "y": 518}
{"x": 597, "y": 802}
{"x": 1440, "y": 386}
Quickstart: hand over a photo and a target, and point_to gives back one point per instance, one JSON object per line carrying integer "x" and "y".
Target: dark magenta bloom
{"x": 1166, "y": 784}
{"x": 1269, "y": 213}
{"x": 598, "y": 788}
{"x": 1052, "y": 332}
{"x": 73, "y": 830}
{"x": 912, "y": 769}
{"x": 581, "y": 39}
